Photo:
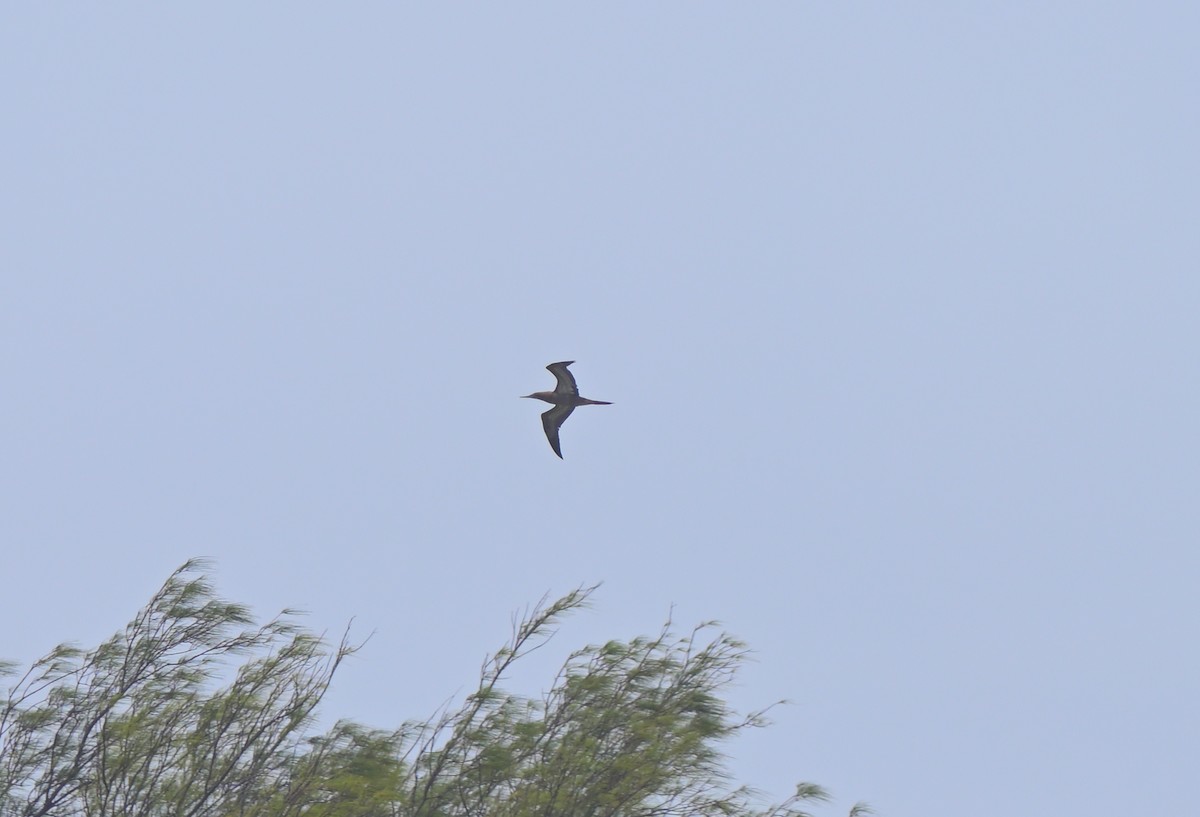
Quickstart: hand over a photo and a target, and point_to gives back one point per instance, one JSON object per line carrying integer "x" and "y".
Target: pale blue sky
{"x": 896, "y": 303}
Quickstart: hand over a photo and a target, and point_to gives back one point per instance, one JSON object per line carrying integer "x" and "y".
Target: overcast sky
{"x": 896, "y": 303}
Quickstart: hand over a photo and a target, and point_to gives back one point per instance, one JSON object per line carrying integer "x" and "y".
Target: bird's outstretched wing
{"x": 551, "y": 421}
{"x": 566, "y": 380}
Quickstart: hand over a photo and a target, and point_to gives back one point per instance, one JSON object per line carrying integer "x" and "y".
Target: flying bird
{"x": 565, "y": 398}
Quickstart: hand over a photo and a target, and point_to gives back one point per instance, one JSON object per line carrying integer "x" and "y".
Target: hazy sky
{"x": 897, "y": 305}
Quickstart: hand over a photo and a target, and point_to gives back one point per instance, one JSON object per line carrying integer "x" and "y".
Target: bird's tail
{"x": 583, "y": 401}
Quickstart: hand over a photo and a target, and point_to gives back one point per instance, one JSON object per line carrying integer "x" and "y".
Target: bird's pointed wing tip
{"x": 551, "y": 420}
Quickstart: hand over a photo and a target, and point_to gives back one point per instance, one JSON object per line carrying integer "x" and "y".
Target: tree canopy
{"x": 158, "y": 720}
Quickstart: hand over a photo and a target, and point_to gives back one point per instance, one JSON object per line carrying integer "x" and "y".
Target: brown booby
{"x": 565, "y": 398}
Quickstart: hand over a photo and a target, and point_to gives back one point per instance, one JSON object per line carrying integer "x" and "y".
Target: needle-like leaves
{"x": 156, "y": 721}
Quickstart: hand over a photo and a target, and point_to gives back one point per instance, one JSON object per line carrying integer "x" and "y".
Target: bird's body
{"x": 565, "y": 398}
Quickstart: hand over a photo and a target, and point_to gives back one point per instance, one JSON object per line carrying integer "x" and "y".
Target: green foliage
{"x": 141, "y": 726}
{"x": 134, "y": 727}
